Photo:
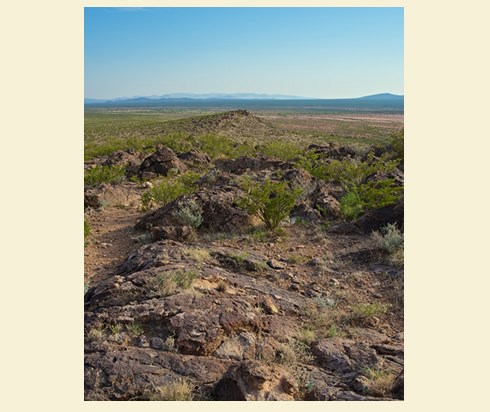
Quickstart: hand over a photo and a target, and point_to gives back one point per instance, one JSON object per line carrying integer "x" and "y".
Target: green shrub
{"x": 178, "y": 142}
{"x": 371, "y": 195}
{"x": 397, "y": 143}
{"x": 189, "y": 214}
{"x": 104, "y": 174}
{"x": 270, "y": 202}
{"x": 348, "y": 172}
{"x": 86, "y": 228}
{"x": 351, "y": 205}
{"x": 380, "y": 193}
{"x": 389, "y": 238}
{"x": 368, "y": 310}
{"x": 221, "y": 146}
{"x": 215, "y": 146}
{"x": 184, "y": 279}
{"x": 168, "y": 190}
{"x": 280, "y": 149}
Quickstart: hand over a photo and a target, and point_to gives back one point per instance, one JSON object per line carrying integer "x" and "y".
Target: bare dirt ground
{"x": 351, "y": 125}
{"x": 111, "y": 240}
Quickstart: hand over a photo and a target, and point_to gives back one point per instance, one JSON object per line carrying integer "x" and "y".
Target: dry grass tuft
{"x": 178, "y": 390}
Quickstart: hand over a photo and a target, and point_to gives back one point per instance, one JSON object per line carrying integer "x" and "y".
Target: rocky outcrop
{"x": 194, "y": 158}
{"x": 161, "y": 163}
{"x": 219, "y": 211}
{"x": 179, "y": 233}
{"x": 251, "y": 164}
{"x": 254, "y": 381}
{"x": 127, "y": 158}
{"x": 375, "y": 219}
{"x": 335, "y": 151}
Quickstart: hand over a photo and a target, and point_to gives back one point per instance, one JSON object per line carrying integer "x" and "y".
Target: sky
{"x": 311, "y": 52}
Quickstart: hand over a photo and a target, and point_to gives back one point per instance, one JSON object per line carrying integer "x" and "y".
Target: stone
{"x": 275, "y": 264}
{"x": 254, "y": 381}
{"x": 161, "y": 163}
{"x": 178, "y": 233}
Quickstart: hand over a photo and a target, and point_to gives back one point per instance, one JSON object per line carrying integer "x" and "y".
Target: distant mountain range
{"x": 229, "y": 96}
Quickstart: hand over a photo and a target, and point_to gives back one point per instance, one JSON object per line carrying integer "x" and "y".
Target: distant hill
{"x": 383, "y": 96}
{"x": 383, "y": 102}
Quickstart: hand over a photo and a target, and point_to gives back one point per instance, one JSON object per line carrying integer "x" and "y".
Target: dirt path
{"x": 110, "y": 242}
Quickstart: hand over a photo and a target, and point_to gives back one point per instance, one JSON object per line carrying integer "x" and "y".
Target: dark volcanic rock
{"x": 398, "y": 387}
{"x": 179, "y": 233}
{"x": 219, "y": 211}
{"x": 325, "y": 202}
{"x": 254, "y": 381}
{"x": 375, "y": 219}
{"x": 306, "y": 213}
{"x": 335, "y": 151}
{"x": 246, "y": 163}
{"x": 127, "y": 158}
{"x": 117, "y": 373}
{"x": 91, "y": 201}
{"x": 194, "y": 157}
{"x": 160, "y": 163}
{"x": 299, "y": 178}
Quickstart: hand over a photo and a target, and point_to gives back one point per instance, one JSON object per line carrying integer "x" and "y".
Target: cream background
{"x": 446, "y": 46}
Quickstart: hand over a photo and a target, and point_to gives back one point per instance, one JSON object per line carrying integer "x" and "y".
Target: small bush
{"x": 197, "y": 254}
{"x": 368, "y": 310}
{"x": 178, "y": 390}
{"x": 376, "y": 194}
{"x": 167, "y": 283}
{"x": 222, "y": 286}
{"x": 168, "y": 190}
{"x": 270, "y": 202}
{"x": 348, "y": 172}
{"x": 351, "y": 205}
{"x": 371, "y": 195}
{"x": 389, "y": 238}
{"x": 379, "y": 382}
{"x": 96, "y": 334}
{"x": 215, "y": 146}
{"x": 397, "y": 143}
{"x": 116, "y": 329}
{"x": 86, "y": 228}
{"x": 184, "y": 279}
{"x": 104, "y": 174}
{"x": 134, "y": 329}
{"x": 189, "y": 214}
{"x": 280, "y": 149}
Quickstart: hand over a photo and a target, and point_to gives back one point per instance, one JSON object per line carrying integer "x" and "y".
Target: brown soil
{"x": 110, "y": 242}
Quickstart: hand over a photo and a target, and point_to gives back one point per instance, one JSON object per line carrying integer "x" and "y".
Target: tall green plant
{"x": 270, "y": 201}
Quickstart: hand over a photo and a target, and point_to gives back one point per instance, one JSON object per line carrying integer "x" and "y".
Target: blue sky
{"x": 312, "y": 52}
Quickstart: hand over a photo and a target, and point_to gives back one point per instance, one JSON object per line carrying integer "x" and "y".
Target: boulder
{"x": 254, "y": 381}
{"x": 178, "y": 233}
{"x": 397, "y": 389}
{"x": 160, "y": 163}
{"x": 375, "y": 219}
{"x": 237, "y": 348}
{"x": 124, "y": 158}
{"x": 219, "y": 211}
{"x": 194, "y": 157}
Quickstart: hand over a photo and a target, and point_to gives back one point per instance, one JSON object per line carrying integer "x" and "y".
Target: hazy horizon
{"x": 316, "y": 53}
{"x": 202, "y": 95}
